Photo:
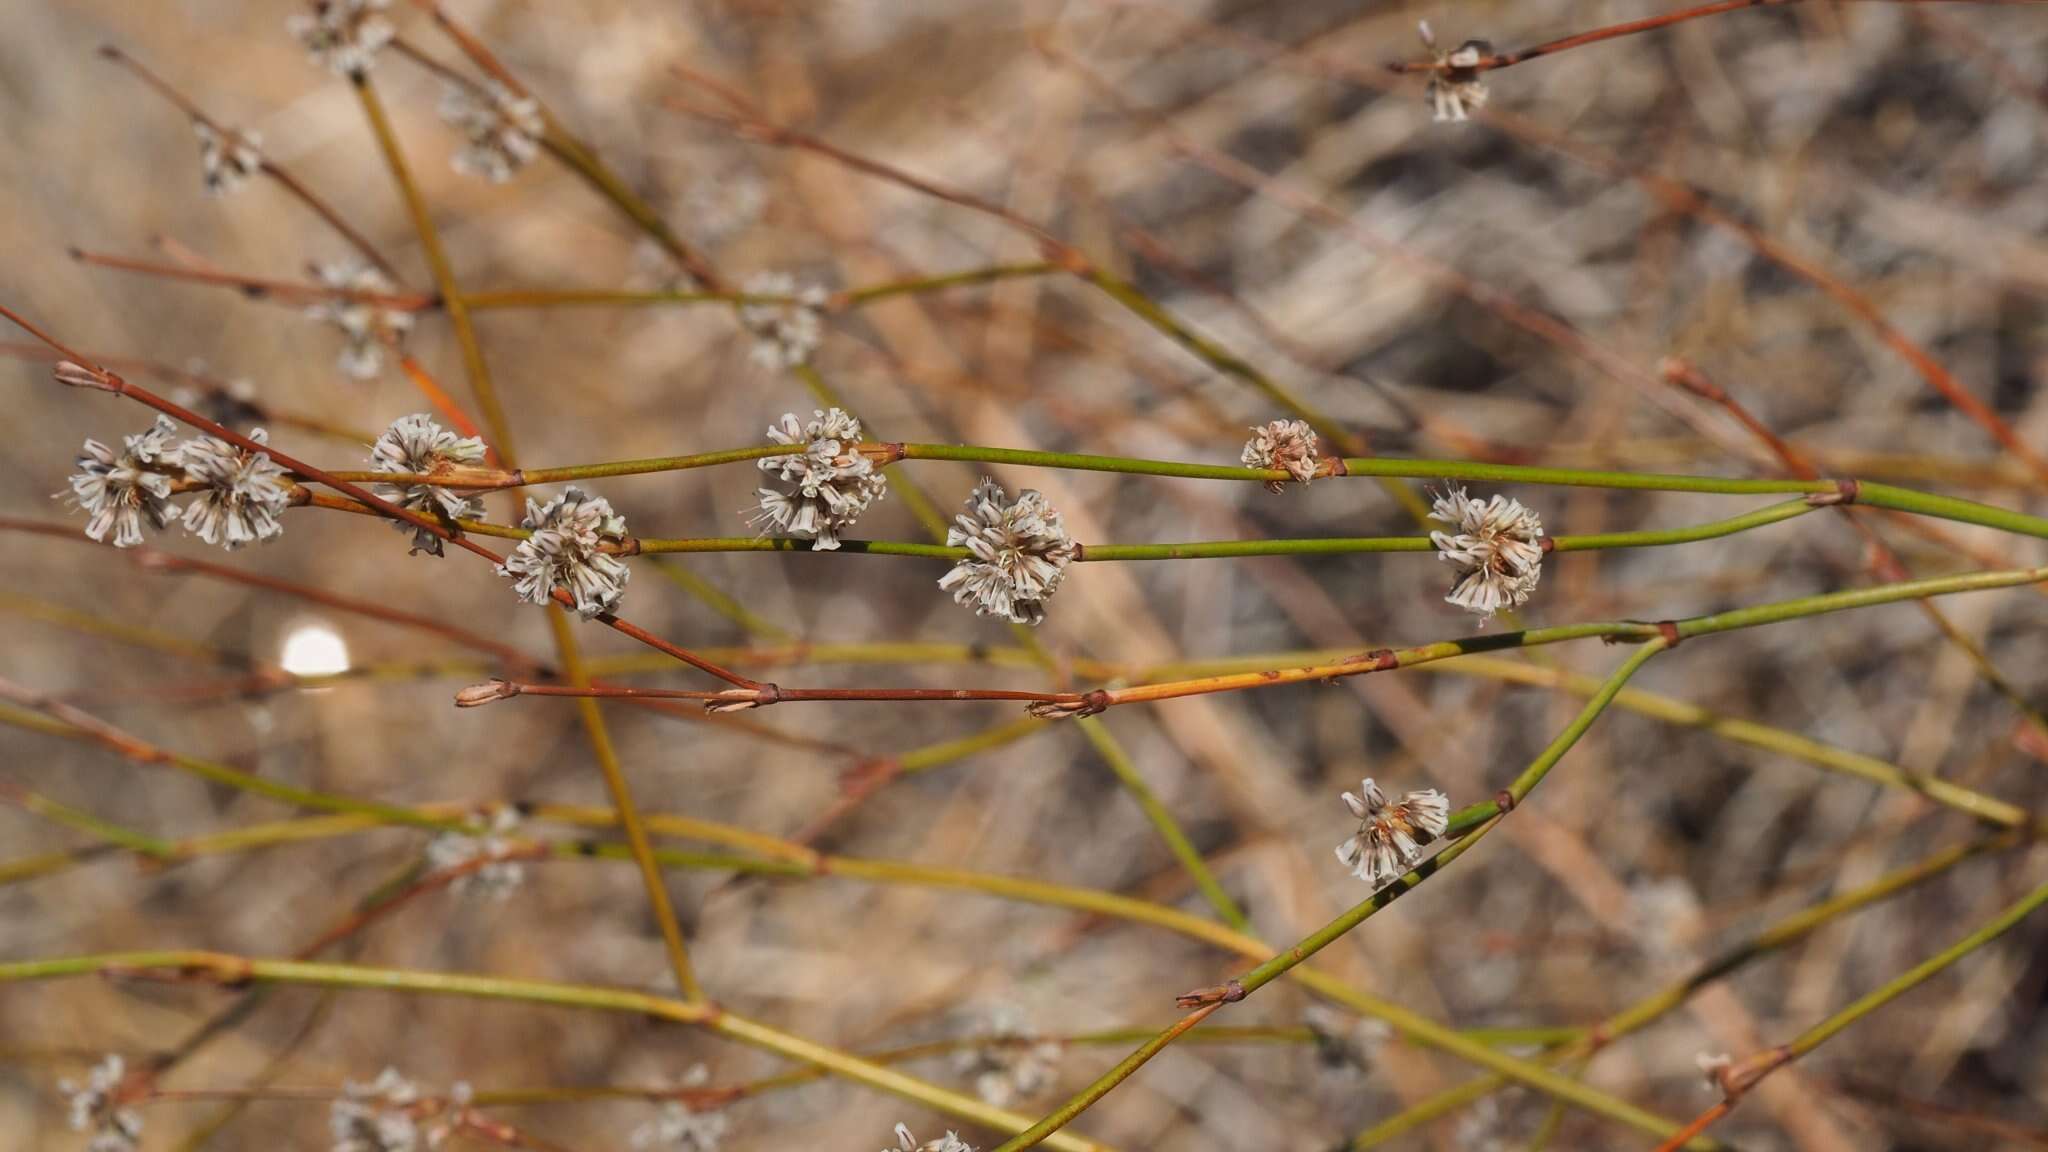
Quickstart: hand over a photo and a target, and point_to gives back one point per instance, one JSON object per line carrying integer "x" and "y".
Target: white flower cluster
{"x": 226, "y": 160}
{"x": 566, "y": 550}
{"x": 678, "y": 1127}
{"x": 1391, "y": 836}
{"x": 488, "y": 838}
{"x": 1497, "y": 546}
{"x": 1456, "y": 86}
{"x": 1018, "y": 553}
{"x": 831, "y": 484}
{"x": 1011, "y": 1066}
{"x": 95, "y": 1107}
{"x": 389, "y": 1114}
{"x": 366, "y": 326}
{"x": 417, "y": 445}
{"x": 1287, "y": 445}
{"x": 501, "y": 129}
{"x": 343, "y": 35}
{"x": 1345, "y": 1043}
{"x": 238, "y": 495}
{"x": 785, "y": 333}
{"x": 905, "y": 1142}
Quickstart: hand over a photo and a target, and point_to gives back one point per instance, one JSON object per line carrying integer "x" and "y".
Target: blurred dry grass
{"x": 1885, "y": 138}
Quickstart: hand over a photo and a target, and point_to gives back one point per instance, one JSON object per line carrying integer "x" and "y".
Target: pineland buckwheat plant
{"x": 1641, "y": 531}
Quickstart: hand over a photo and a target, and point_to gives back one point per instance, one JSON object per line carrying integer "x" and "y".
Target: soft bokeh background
{"x": 1904, "y": 148}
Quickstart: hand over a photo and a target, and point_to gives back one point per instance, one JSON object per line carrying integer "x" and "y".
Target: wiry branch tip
{"x": 79, "y": 376}
{"x": 477, "y": 695}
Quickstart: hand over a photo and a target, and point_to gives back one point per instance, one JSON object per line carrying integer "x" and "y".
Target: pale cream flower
{"x": 831, "y": 483}
{"x": 1018, "y": 554}
{"x": 487, "y": 838}
{"x": 566, "y": 551}
{"x": 1011, "y": 1066}
{"x": 343, "y": 35}
{"x": 241, "y": 495}
{"x": 1456, "y": 86}
{"x": 679, "y": 1127}
{"x": 785, "y": 334}
{"x": 1288, "y": 445}
{"x": 1497, "y": 546}
{"x": 501, "y": 129}
{"x": 366, "y": 326}
{"x": 905, "y": 1142}
{"x": 416, "y": 444}
{"x": 95, "y": 1106}
{"x": 1391, "y": 836}
{"x": 119, "y": 492}
{"x": 226, "y": 160}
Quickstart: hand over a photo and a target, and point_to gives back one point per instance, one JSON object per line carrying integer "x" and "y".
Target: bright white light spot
{"x": 314, "y": 650}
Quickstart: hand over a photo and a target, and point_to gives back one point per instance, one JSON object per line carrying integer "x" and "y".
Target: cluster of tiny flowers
{"x": 1288, "y": 445}
{"x": 94, "y": 1107}
{"x": 118, "y": 491}
{"x": 415, "y": 444}
{"x": 242, "y": 493}
{"x": 501, "y": 128}
{"x": 238, "y": 495}
{"x": 385, "y": 1116}
{"x": 365, "y": 325}
{"x": 1344, "y": 1043}
{"x": 483, "y": 839}
{"x": 1497, "y": 546}
{"x": 1018, "y": 552}
{"x": 226, "y": 161}
{"x": 1456, "y": 85}
{"x": 566, "y": 551}
{"x": 343, "y": 35}
{"x": 680, "y": 1128}
{"x": 785, "y": 334}
{"x": 1390, "y": 837}
{"x": 1011, "y": 1066}
{"x": 905, "y": 1142}
{"x": 832, "y": 484}
{"x": 722, "y": 206}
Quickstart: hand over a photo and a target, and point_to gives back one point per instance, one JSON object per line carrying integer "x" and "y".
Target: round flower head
{"x": 1018, "y": 552}
{"x": 1497, "y": 546}
{"x": 565, "y": 551}
{"x": 501, "y": 128}
{"x": 389, "y": 1114}
{"x": 831, "y": 484}
{"x": 905, "y": 1142}
{"x": 1011, "y": 1066}
{"x": 119, "y": 491}
{"x": 679, "y": 1127}
{"x": 241, "y": 494}
{"x": 95, "y": 1106}
{"x": 785, "y": 334}
{"x": 1456, "y": 85}
{"x": 343, "y": 35}
{"x": 1391, "y": 836}
{"x": 1287, "y": 445}
{"x": 366, "y": 326}
{"x": 488, "y": 839}
{"x": 415, "y": 444}
{"x": 226, "y": 161}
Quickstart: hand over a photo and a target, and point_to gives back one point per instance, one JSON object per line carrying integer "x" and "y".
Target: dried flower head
{"x": 1456, "y": 85}
{"x": 96, "y": 1106}
{"x": 1012, "y": 1065}
{"x": 226, "y": 160}
{"x": 389, "y": 1114}
{"x": 1715, "y": 1067}
{"x": 1390, "y": 837}
{"x": 1288, "y": 445}
{"x": 832, "y": 483}
{"x": 905, "y": 1142}
{"x": 785, "y": 333}
{"x": 722, "y": 205}
{"x": 415, "y": 444}
{"x": 241, "y": 494}
{"x": 366, "y": 325}
{"x": 486, "y": 836}
{"x": 565, "y": 551}
{"x": 502, "y": 129}
{"x": 680, "y": 1127}
{"x": 1344, "y": 1043}
{"x": 1018, "y": 553}
{"x": 119, "y": 491}
{"x": 343, "y": 35}
{"x": 1497, "y": 546}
